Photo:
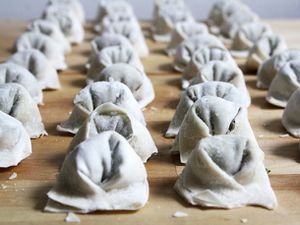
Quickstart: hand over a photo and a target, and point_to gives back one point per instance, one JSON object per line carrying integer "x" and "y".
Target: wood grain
{"x": 25, "y": 197}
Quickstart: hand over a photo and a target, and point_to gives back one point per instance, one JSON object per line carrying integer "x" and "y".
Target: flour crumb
{"x": 244, "y": 220}
{"x": 179, "y": 214}
{"x": 3, "y": 186}
{"x": 144, "y": 109}
{"x": 261, "y": 136}
{"x": 284, "y": 135}
{"x": 72, "y": 218}
{"x": 13, "y": 176}
{"x": 154, "y": 109}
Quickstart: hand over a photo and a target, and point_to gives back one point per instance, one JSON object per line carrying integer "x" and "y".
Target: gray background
{"x": 30, "y": 9}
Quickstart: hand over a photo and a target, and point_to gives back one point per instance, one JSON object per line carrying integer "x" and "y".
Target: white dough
{"x": 271, "y": 67}
{"x": 284, "y": 84}
{"x": 264, "y": 49}
{"x": 291, "y": 115}
{"x": 112, "y": 55}
{"x": 225, "y": 72}
{"x": 74, "y": 5}
{"x": 37, "y": 63}
{"x": 111, "y": 117}
{"x": 183, "y": 31}
{"x": 247, "y": 36}
{"x": 136, "y": 80}
{"x": 16, "y": 102}
{"x": 15, "y": 143}
{"x": 98, "y": 93}
{"x": 132, "y": 31}
{"x": 53, "y": 51}
{"x": 13, "y": 73}
{"x": 185, "y": 50}
{"x": 67, "y": 20}
{"x": 195, "y": 92}
{"x": 200, "y": 58}
{"x": 210, "y": 116}
{"x": 52, "y": 30}
{"x": 102, "y": 173}
{"x": 167, "y": 16}
{"x": 104, "y": 41}
{"x": 226, "y": 171}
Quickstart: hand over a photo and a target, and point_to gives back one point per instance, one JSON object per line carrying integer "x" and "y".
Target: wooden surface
{"x": 25, "y": 196}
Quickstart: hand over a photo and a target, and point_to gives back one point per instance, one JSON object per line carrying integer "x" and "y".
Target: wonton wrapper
{"x": 89, "y": 98}
{"x": 108, "y": 117}
{"x": 200, "y": 58}
{"x": 111, "y": 7}
{"x": 67, "y": 20}
{"x": 226, "y": 171}
{"x": 15, "y": 144}
{"x": 222, "y": 71}
{"x": 45, "y": 44}
{"x": 112, "y": 55}
{"x": 284, "y": 84}
{"x": 37, "y": 63}
{"x": 247, "y": 36}
{"x": 195, "y": 92}
{"x": 290, "y": 118}
{"x": 16, "y": 102}
{"x": 132, "y": 31}
{"x": 136, "y": 80}
{"x": 210, "y": 116}
{"x": 168, "y": 15}
{"x": 185, "y": 50}
{"x": 102, "y": 173}
{"x": 13, "y": 73}
{"x": 52, "y": 30}
{"x": 74, "y": 5}
{"x": 268, "y": 70}
{"x": 104, "y": 41}
{"x": 264, "y": 49}
{"x": 183, "y": 31}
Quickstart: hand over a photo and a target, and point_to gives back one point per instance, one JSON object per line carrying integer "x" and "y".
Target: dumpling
{"x": 102, "y": 173}
{"x": 222, "y": 71}
{"x": 182, "y": 32}
{"x": 284, "y": 84}
{"x": 46, "y": 45}
{"x": 264, "y": 49}
{"x": 247, "y": 36}
{"x": 132, "y": 31}
{"x": 37, "y": 63}
{"x": 226, "y": 171}
{"x": 210, "y": 116}
{"x": 15, "y": 143}
{"x": 111, "y": 117}
{"x": 112, "y": 55}
{"x": 200, "y": 58}
{"x": 195, "y": 92}
{"x": 290, "y": 118}
{"x": 16, "y": 102}
{"x": 186, "y": 49}
{"x": 74, "y": 5}
{"x": 235, "y": 21}
{"x": 13, "y": 73}
{"x": 68, "y": 22}
{"x": 220, "y": 11}
{"x": 52, "y": 30}
{"x": 166, "y": 19}
{"x": 271, "y": 67}
{"x": 111, "y": 7}
{"x": 89, "y": 98}
{"x": 107, "y": 40}
{"x": 137, "y": 81}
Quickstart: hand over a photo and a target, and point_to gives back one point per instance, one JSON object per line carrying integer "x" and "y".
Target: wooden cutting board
{"x": 25, "y": 197}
